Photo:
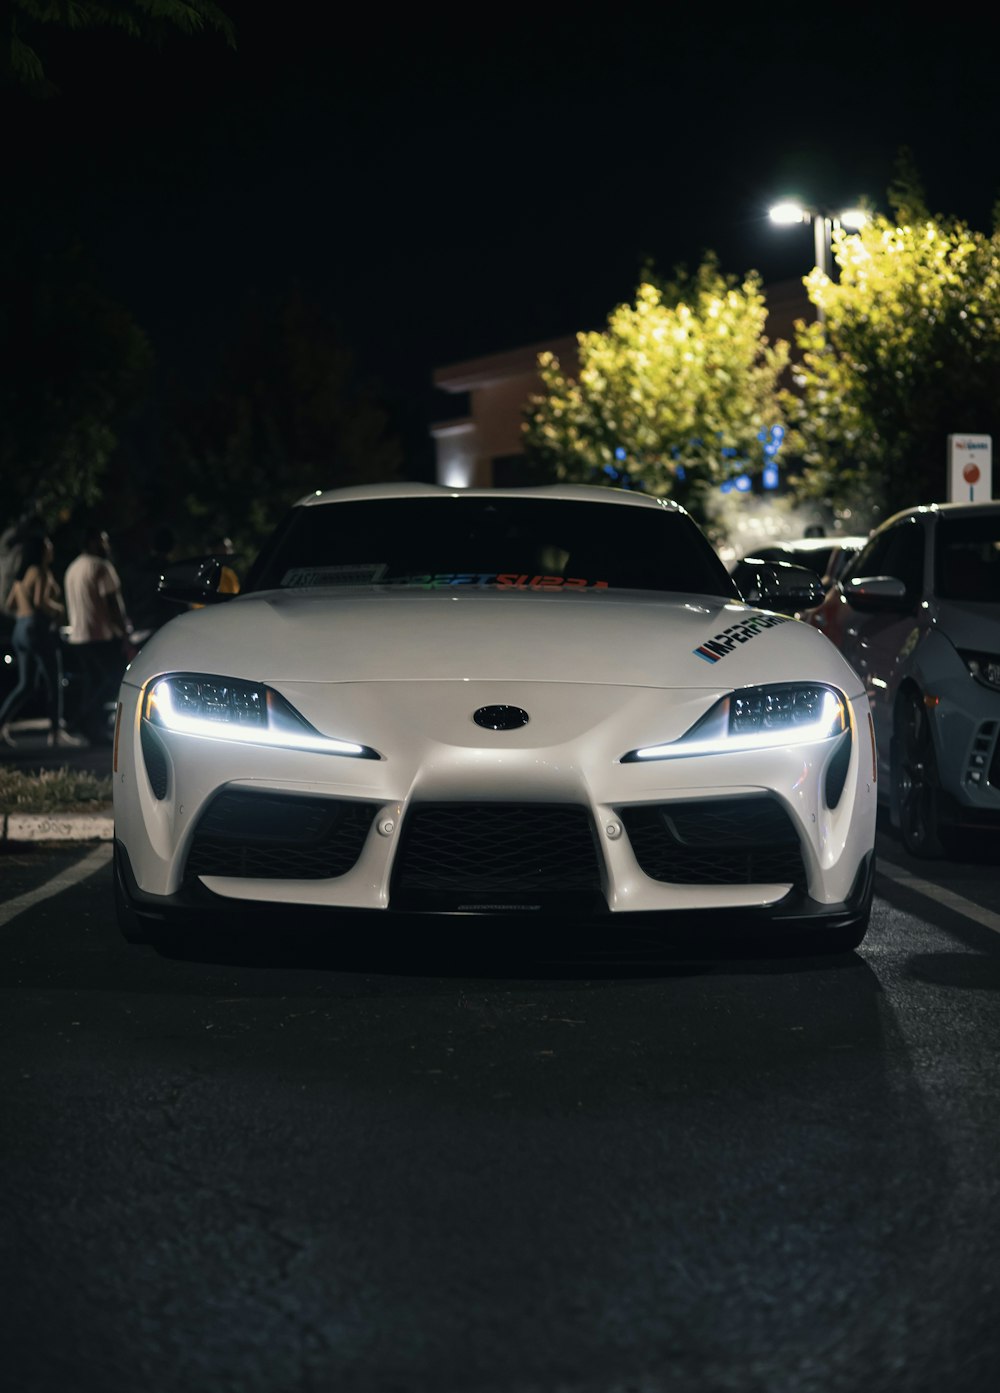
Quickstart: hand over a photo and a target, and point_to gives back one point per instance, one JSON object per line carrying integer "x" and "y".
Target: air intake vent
{"x": 716, "y": 841}
{"x": 279, "y": 836}
{"x": 980, "y": 770}
{"x": 154, "y": 757}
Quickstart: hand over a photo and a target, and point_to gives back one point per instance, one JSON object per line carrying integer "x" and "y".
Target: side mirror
{"x": 194, "y": 582}
{"x": 780, "y": 586}
{"x": 875, "y": 592}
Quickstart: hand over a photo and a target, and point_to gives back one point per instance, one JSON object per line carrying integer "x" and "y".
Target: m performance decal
{"x": 715, "y": 648}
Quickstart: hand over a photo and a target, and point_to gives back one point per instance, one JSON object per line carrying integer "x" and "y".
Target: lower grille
{"x": 496, "y": 856}
{"x": 718, "y": 841}
{"x": 278, "y": 836}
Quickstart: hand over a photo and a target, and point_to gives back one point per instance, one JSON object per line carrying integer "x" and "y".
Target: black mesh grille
{"x": 489, "y": 855}
{"x": 155, "y": 759}
{"x": 279, "y": 836}
{"x": 725, "y": 841}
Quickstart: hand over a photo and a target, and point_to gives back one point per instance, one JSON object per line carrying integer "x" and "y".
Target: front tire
{"x": 920, "y": 799}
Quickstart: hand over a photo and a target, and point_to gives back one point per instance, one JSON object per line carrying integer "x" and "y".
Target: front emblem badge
{"x": 500, "y": 717}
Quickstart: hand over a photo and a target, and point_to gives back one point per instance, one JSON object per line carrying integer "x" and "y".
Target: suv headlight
{"x": 985, "y": 667}
{"x": 220, "y": 708}
{"x": 759, "y": 718}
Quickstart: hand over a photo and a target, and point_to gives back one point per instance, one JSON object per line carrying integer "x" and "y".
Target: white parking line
{"x": 943, "y": 896}
{"x": 93, "y": 861}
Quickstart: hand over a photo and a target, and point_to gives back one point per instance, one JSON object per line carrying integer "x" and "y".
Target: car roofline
{"x": 587, "y": 493}
{"x": 956, "y": 509}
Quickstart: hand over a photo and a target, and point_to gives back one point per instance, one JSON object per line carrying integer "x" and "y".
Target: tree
{"x": 675, "y": 396}
{"x": 150, "y": 20}
{"x": 286, "y": 415}
{"x": 908, "y": 353}
{"x": 74, "y": 366}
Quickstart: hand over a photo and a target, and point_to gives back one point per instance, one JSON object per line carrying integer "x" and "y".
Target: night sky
{"x": 447, "y": 188}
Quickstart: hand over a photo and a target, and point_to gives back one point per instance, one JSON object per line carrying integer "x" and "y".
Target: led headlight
{"x": 223, "y": 709}
{"x": 985, "y": 667}
{"x": 759, "y": 718}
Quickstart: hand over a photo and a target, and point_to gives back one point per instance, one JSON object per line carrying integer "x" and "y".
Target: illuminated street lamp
{"x": 789, "y": 212}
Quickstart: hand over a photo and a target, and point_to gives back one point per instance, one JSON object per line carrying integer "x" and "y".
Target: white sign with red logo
{"x": 970, "y": 468}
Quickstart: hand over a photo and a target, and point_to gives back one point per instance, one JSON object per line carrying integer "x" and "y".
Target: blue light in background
{"x": 743, "y": 483}
{"x": 620, "y": 452}
{"x": 769, "y": 477}
{"x": 772, "y": 440}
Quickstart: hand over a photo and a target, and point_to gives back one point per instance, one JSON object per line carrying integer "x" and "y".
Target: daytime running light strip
{"x": 217, "y": 730}
{"x": 820, "y": 729}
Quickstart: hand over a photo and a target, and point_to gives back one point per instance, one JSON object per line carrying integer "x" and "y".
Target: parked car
{"x": 778, "y": 585}
{"x": 917, "y": 615}
{"x": 541, "y": 702}
{"x": 841, "y": 557}
{"x": 824, "y": 557}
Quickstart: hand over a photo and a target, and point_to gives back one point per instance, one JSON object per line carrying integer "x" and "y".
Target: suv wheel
{"x": 919, "y": 796}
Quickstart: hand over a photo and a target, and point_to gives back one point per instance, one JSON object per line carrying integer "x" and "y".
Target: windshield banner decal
{"x": 341, "y": 576}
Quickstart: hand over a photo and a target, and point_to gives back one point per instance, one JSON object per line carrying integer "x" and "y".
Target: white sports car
{"x": 538, "y": 701}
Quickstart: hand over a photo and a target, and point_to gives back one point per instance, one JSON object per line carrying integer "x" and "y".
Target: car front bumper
{"x": 504, "y": 788}
{"x": 965, "y": 718}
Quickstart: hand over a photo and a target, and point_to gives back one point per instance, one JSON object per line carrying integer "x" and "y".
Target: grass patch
{"x": 54, "y": 791}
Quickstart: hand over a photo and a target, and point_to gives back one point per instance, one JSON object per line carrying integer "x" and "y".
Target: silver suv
{"x": 917, "y": 614}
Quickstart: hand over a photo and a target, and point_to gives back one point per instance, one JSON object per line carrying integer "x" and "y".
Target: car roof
{"x": 802, "y": 543}
{"x": 805, "y": 544}
{"x": 589, "y": 493}
{"x": 967, "y": 510}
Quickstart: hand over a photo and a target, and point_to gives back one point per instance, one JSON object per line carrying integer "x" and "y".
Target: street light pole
{"x": 791, "y": 211}
{"x": 822, "y": 240}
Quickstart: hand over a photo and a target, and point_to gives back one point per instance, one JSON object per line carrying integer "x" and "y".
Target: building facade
{"x": 482, "y": 446}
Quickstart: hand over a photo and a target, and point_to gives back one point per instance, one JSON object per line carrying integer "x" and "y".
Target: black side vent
{"x": 716, "y": 841}
{"x": 278, "y": 836}
{"x": 155, "y": 759}
{"x": 836, "y": 771}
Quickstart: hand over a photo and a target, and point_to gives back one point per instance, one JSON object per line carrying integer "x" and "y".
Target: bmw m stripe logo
{"x": 715, "y": 648}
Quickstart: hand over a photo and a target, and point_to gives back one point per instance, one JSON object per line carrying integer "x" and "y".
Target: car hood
{"x": 968, "y": 624}
{"x": 403, "y": 635}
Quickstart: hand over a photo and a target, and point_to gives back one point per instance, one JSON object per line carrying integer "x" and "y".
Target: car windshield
{"x": 967, "y": 558}
{"x": 516, "y": 542}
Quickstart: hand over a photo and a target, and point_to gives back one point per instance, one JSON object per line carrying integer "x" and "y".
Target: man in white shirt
{"x": 98, "y": 623}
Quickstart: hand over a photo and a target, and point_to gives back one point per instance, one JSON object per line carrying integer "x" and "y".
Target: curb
{"x": 56, "y": 827}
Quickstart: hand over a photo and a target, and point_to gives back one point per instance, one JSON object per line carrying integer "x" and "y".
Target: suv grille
{"x": 496, "y": 856}
{"x": 279, "y": 836}
{"x": 718, "y": 841}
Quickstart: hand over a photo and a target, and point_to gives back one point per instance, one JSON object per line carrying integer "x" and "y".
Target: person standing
{"x": 12, "y": 540}
{"x": 34, "y": 599}
{"x": 98, "y": 625}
